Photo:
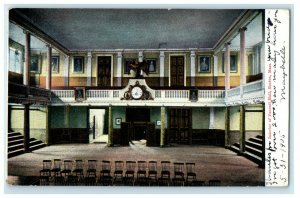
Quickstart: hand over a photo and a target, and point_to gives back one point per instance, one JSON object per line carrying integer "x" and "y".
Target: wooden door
{"x": 104, "y": 71}
{"x": 179, "y": 125}
{"x": 177, "y": 71}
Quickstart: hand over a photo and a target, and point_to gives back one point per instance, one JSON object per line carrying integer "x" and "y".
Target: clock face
{"x": 136, "y": 92}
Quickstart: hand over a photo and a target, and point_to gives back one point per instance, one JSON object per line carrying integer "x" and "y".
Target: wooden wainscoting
{"x": 69, "y": 135}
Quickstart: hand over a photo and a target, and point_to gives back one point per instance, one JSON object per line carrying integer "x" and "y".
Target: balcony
{"x": 22, "y": 94}
{"x": 248, "y": 94}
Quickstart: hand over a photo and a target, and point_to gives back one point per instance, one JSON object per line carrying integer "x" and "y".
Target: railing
{"x": 63, "y": 93}
{"x": 237, "y": 94}
{"x": 27, "y": 93}
{"x": 98, "y": 93}
{"x": 176, "y": 94}
{"x": 253, "y": 86}
{"x": 211, "y": 94}
{"x": 234, "y": 92}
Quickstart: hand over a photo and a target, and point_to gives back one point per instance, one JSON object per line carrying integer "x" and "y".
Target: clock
{"x": 136, "y": 92}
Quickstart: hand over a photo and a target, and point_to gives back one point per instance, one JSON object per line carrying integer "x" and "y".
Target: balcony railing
{"x": 165, "y": 97}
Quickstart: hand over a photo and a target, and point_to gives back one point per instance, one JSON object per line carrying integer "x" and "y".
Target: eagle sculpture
{"x": 140, "y": 68}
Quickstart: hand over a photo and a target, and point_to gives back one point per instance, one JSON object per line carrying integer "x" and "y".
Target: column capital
{"x": 242, "y": 29}
{"x": 227, "y": 44}
{"x": 48, "y": 45}
{"x": 193, "y": 54}
{"x": 162, "y": 54}
{"x": 89, "y": 54}
{"x": 119, "y": 55}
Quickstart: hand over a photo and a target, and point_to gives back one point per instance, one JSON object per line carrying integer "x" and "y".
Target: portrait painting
{"x": 204, "y": 64}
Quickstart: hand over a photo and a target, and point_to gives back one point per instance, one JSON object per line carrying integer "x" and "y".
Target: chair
{"x": 91, "y": 174}
{"x": 129, "y": 174}
{"x": 78, "y": 170}
{"x": 142, "y": 172}
{"x": 56, "y": 170}
{"x": 45, "y": 173}
{"x": 67, "y": 168}
{"x": 118, "y": 173}
{"x": 190, "y": 173}
{"x": 178, "y": 179}
{"x": 105, "y": 177}
{"x": 56, "y": 167}
{"x": 165, "y": 173}
{"x": 152, "y": 172}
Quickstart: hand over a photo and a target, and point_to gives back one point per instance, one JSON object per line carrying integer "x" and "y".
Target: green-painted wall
{"x": 57, "y": 118}
{"x": 220, "y": 118}
{"x": 155, "y": 115}
{"x": 78, "y": 117}
{"x": 200, "y": 118}
{"x": 118, "y": 112}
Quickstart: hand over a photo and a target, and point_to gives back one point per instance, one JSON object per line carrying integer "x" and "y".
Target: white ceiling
{"x": 82, "y": 29}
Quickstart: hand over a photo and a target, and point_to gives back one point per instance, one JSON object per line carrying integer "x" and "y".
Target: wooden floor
{"x": 212, "y": 163}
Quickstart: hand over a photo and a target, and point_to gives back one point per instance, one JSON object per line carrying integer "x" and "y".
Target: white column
{"x": 89, "y": 69}
{"x": 26, "y": 77}
{"x": 66, "y": 70}
{"x": 212, "y": 118}
{"x": 215, "y": 80}
{"x": 141, "y": 56}
{"x": 193, "y": 68}
{"x": 162, "y": 67}
{"x": 48, "y": 68}
{"x": 227, "y": 66}
{"x": 243, "y": 56}
{"x": 119, "y": 69}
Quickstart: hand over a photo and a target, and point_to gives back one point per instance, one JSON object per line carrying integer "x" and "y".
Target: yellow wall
{"x": 150, "y": 54}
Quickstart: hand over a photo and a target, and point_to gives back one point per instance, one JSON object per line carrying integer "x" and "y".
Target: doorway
{"x": 98, "y": 128}
{"x": 177, "y": 71}
{"x": 138, "y": 119}
{"x": 104, "y": 71}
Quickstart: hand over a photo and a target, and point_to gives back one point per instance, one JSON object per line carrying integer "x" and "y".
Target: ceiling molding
{"x": 233, "y": 30}
{"x": 19, "y": 19}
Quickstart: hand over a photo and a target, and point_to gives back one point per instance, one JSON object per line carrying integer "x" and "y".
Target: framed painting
{"x": 151, "y": 65}
{"x": 55, "y": 64}
{"x": 79, "y": 94}
{"x": 204, "y": 64}
{"x": 233, "y": 63}
{"x": 118, "y": 121}
{"x": 78, "y": 64}
{"x": 127, "y": 62}
{"x": 34, "y": 64}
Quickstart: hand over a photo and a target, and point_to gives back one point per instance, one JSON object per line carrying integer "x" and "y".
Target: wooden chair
{"x": 118, "y": 173}
{"x": 152, "y": 172}
{"x": 142, "y": 173}
{"x": 165, "y": 173}
{"x": 67, "y": 170}
{"x": 78, "y": 170}
{"x": 190, "y": 173}
{"x": 105, "y": 173}
{"x": 45, "y": 173}
{"x": 178, "y": 179}
{"x": 129, "y": 174}
{"x": 91, "y": 175}
{"x": 56, "y": 170}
